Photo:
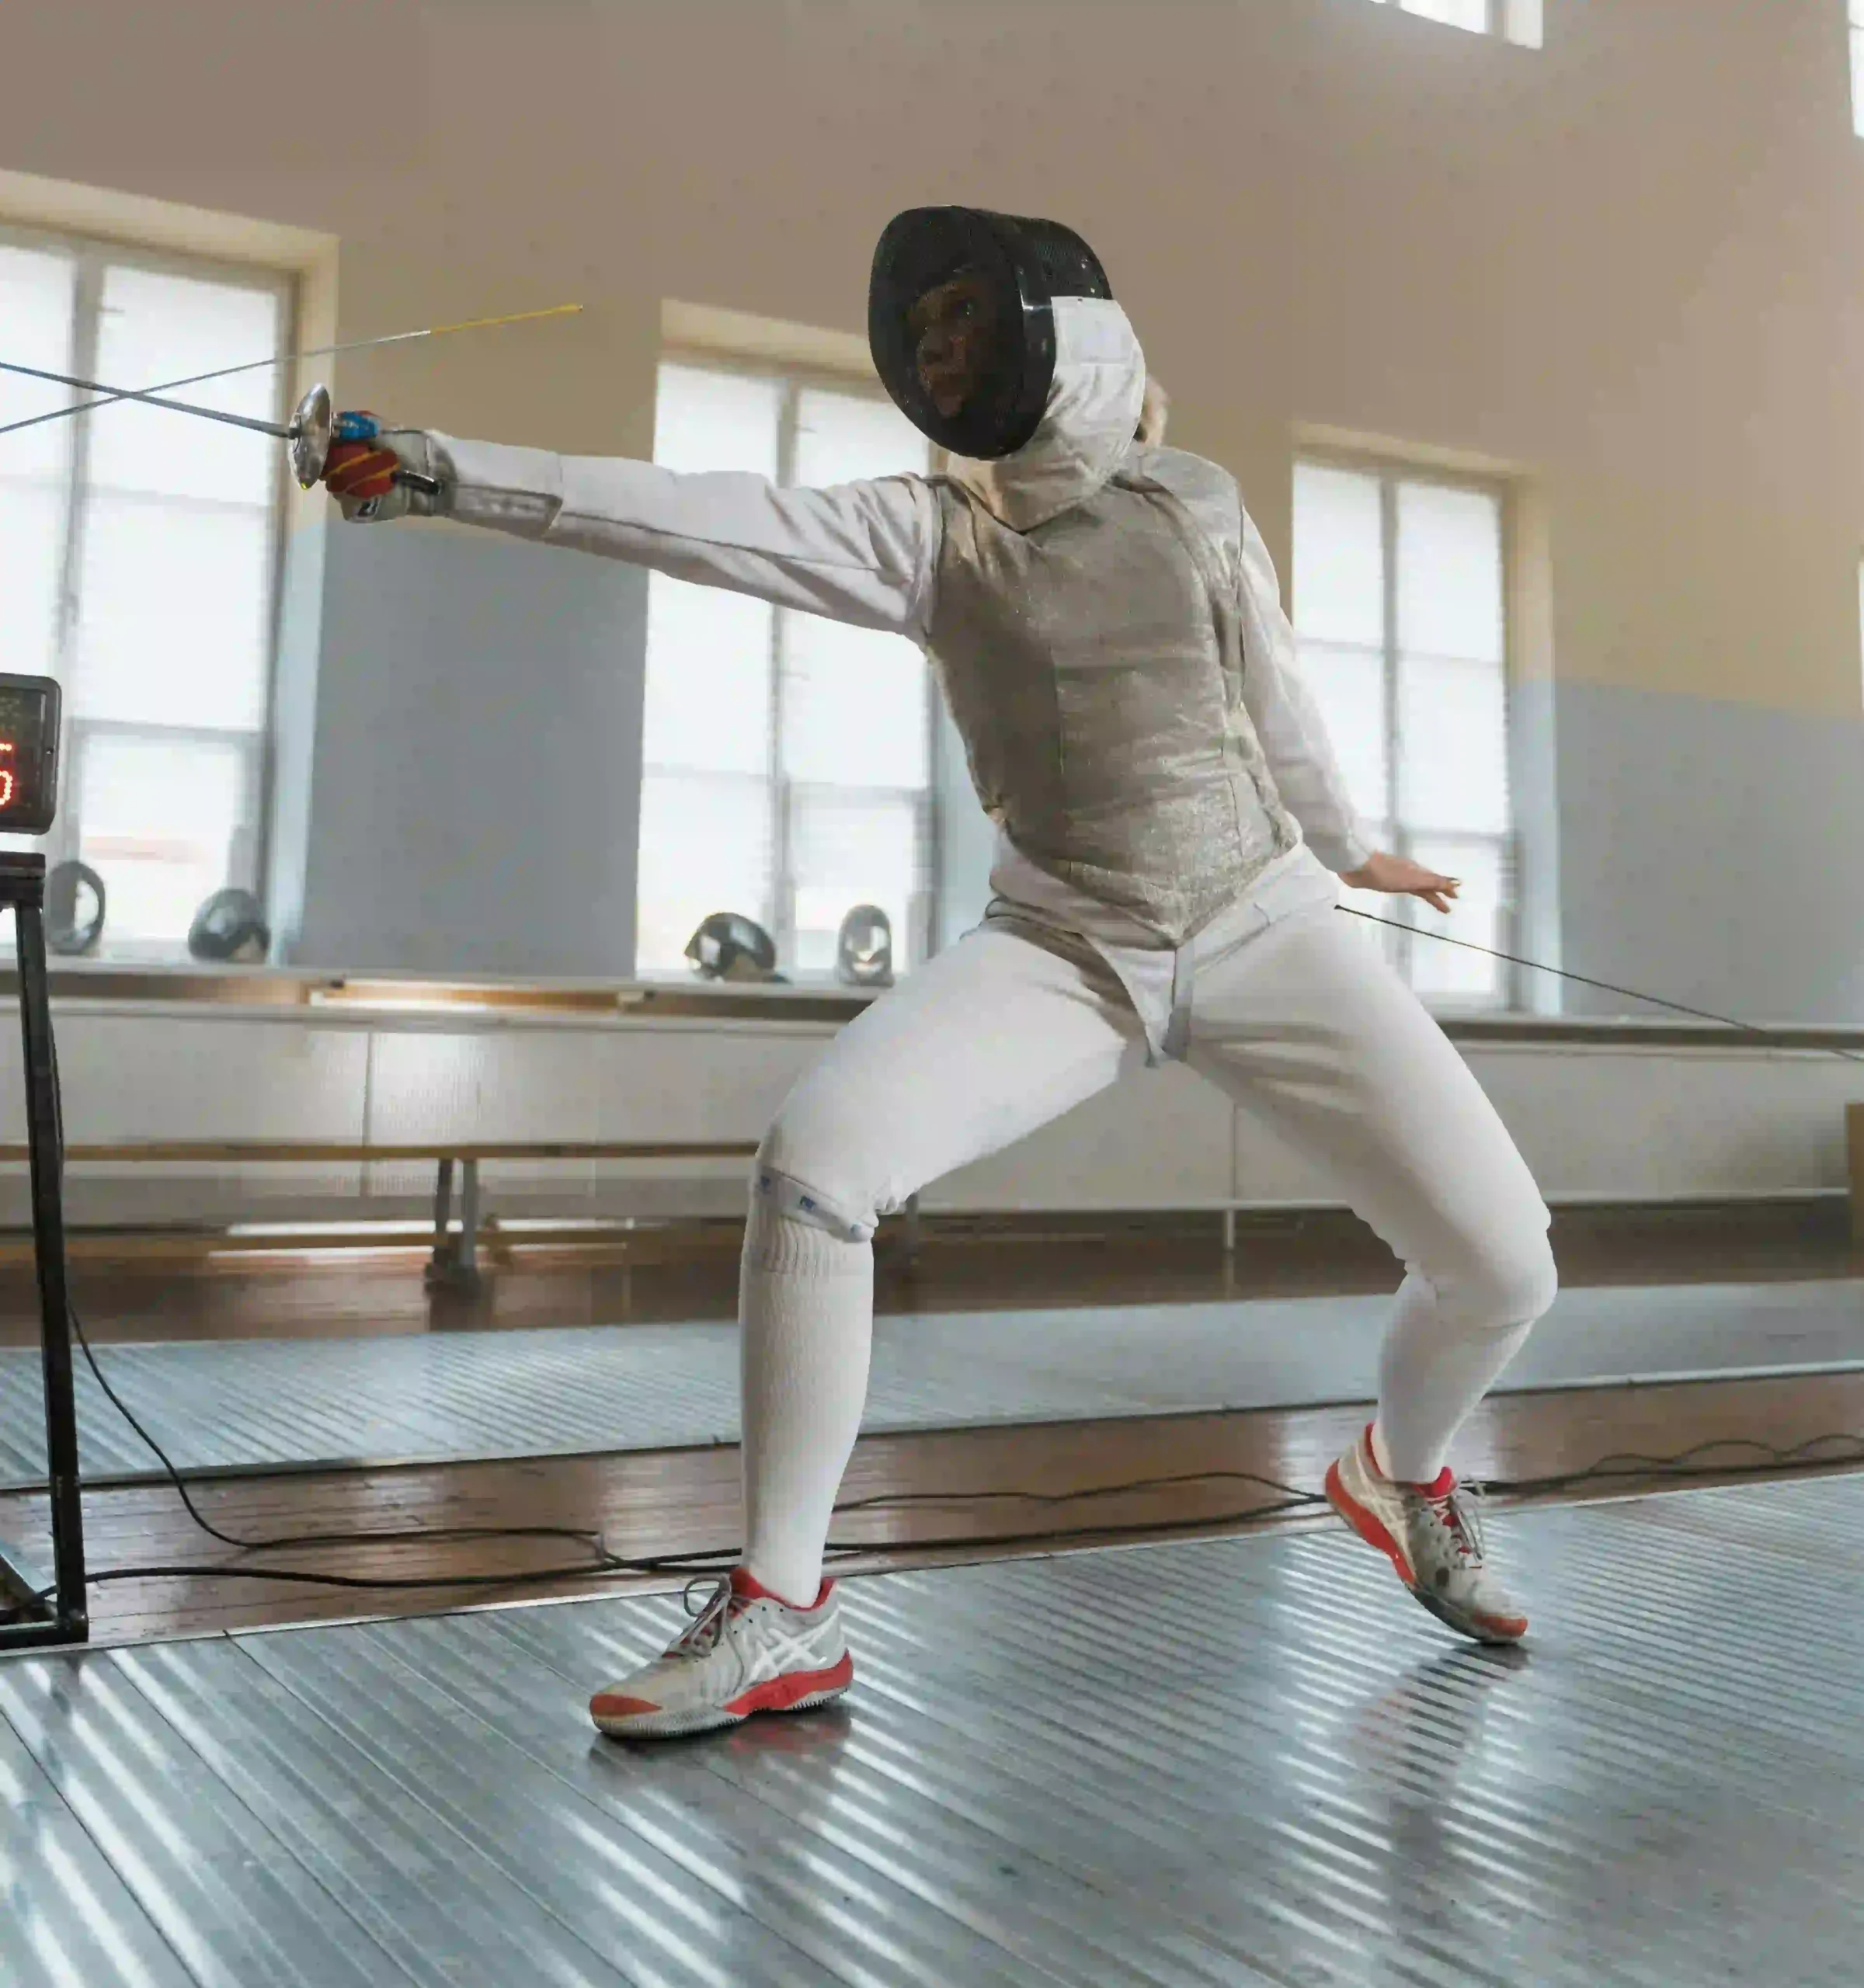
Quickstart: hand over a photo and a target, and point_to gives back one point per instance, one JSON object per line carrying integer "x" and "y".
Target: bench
{"x": 454, "y": 1265}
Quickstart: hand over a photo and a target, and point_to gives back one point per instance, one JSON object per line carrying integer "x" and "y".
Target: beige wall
{"x": 1631, "y": 262}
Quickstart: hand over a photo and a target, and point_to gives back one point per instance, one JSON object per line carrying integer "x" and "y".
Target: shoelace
{"x": 711, "y": 1615}
{"x": 1460, "y": 1511}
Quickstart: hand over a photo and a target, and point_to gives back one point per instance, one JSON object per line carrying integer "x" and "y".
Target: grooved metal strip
{"x": 612, "y": 1885}
{"x": 572, "y": 1390}
{"x": 1250, "y": 1761}
{"x": 228, "y": 1897}
{"x": 69, "y": 1920}
{"x": 856, "y": 1923}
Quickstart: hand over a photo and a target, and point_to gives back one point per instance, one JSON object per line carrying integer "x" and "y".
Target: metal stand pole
{"x": 66, "y": 1620}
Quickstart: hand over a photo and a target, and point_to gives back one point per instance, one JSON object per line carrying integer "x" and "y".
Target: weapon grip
{"x": 355, "y": 428}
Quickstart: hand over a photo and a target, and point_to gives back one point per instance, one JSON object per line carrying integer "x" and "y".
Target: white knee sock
{"x": 1441, "y": 1357}
{"x": 806, "y": 1307}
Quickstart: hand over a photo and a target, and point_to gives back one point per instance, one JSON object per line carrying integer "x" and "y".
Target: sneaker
{"x": 747, "y": 1652}
{"x": 1431, "y": 1533}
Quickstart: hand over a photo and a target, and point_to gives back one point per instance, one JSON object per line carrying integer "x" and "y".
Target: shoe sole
{"x": 719, "y": 1718}
{"x": 1373, "y": 1530}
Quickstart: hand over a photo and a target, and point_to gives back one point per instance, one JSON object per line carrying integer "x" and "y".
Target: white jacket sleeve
{"x": 864, "y": 553}
{"x": 1288, "y": 720}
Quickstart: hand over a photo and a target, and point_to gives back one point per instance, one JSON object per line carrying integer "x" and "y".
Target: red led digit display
{"x": 29, "y": 754}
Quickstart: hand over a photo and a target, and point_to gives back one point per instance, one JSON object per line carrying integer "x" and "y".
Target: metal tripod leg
{"x": 67, "y": 1620}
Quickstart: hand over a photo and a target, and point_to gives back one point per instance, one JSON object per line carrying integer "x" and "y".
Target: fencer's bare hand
{"x": 1398, "y": 876}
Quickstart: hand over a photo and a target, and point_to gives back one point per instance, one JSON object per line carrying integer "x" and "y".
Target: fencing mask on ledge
{"x": 728, "y": 946}
{"x": 863, "y": 949}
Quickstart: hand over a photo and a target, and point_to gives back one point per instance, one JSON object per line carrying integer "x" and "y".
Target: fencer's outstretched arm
{"x": 863, "y": 552}
{"x": 1288, "y": 720}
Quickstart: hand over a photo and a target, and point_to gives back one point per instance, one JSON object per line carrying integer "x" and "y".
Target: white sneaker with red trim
{"x": 747, "y": 1652}
{"x": 1430, "y": 1534}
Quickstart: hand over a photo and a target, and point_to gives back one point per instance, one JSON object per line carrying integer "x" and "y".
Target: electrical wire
{"x": 1583, "y": 980}
{"x": 1767, "y": 1459}
{"x": 1684, "y": 1465}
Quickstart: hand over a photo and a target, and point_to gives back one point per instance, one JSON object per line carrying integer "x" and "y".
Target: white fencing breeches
{"x": 1303, "y": 1023}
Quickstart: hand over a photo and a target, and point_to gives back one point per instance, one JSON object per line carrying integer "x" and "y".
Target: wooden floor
{"x": 671, "y": 1502}
{"x": 126, "y": 1291}
{"x": 974, "y": 1486}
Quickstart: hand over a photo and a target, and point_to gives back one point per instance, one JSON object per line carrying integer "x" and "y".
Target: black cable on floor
{"x": 1772, "y": 1460}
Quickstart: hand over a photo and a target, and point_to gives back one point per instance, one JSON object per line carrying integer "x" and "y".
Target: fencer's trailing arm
{"x": 312, "y": 428}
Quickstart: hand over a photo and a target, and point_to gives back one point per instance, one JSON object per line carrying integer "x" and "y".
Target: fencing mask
{"x": 961, "y": 321}
{"x": 728, "y": 946}
{"x": 864, "y": 948}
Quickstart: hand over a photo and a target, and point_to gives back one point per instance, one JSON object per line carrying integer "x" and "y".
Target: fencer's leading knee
{"x": 1502, "y": 1280}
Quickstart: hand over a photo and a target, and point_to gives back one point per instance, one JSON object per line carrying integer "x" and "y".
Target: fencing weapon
{"x": 313, "y": 427}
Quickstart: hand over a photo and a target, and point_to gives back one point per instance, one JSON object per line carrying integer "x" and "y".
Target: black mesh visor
{"x": 1023, "y": 265}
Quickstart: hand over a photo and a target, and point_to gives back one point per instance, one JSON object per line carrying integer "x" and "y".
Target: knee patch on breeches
{"x": 783, "y": 1194}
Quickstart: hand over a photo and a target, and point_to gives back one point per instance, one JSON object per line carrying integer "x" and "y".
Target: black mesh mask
{"x": 961, "y": 321}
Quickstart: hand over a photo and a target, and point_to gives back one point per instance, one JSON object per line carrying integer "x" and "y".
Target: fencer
{"x": 1105, "y": 625}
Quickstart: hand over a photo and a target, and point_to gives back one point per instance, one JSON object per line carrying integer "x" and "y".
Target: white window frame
{"x": 793, "y": 381}
{"x": 1391, "y": 471}
{"x": 92, "y": 255}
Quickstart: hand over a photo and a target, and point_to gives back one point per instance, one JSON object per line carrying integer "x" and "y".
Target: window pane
{"x": 31, "y": 556}
{"x": 37, "y": 289}
{"x": 856, "y": 706}
{"x": 1449, "y": 572}
{"x": 174, "y": 606}
{"x": 708, "y": 680}
{"x": 705, "y": 847}
{"x": 1339, "y": 567}
{"x": 1473, "y": 14}
{"x": 159, "y": 820}
{"x": 1376, "y": 905}
{"x": 1453, "y": 747}
{"x": 848, "y": 849}
{"x": 1857, "y": 79}
{"x": 704, "y": 421}
{"x": 1449, "y": 973}
{"x": 1349, "y": 686}
{"x": 843, "y": 437}
{"x": 1522, "y": 23}
{"x": 155, "y": 327}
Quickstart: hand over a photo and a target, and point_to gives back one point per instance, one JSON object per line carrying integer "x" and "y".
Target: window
{"x": 787, "y": 769}
{"x": 137, "y": 554}
{"x": 1857, "y": 66}
{"x": 1399, "y": 609}
{"x": 1512, "y": 20}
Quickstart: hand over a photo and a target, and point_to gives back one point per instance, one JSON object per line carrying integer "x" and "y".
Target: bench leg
{"x": 469, "y": 1222}
{"x": 454, "y": 1264}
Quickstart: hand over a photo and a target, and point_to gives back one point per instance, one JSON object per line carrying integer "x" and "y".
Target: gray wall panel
{"x": 1706, "y": 854}
{"x": 476, "y": 788}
